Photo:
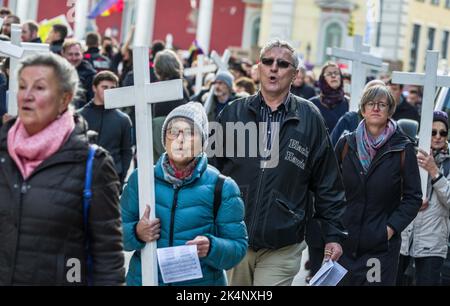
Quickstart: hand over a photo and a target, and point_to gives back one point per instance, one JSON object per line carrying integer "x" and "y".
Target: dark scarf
{"x": 178, "y": 176}
{"x": 329, "y": 96}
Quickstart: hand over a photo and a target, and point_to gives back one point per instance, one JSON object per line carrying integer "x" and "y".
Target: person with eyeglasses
{"x": 185, "y": 191}
{"x": 294, "y": 163}
{"x": 331, "y": 101}
{"x": 426, "y": 239}
{"x": 382, "y": 188}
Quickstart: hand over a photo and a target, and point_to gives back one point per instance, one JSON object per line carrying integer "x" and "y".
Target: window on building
{"x": 414, "y": 48}
{"x": 333, "y": 38}
{"x": 435, "y": 2}
{"x": 431, "y": 33}
{"x": 444, "y": 48}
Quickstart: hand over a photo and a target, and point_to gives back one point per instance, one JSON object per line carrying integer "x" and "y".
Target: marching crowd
{"x": 346, "y": 184}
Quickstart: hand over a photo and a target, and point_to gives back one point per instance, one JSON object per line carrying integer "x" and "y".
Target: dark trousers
{"x": 428, "y": 270}
{"x": 405, "y": 275}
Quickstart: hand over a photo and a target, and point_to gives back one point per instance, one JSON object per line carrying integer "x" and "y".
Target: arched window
{"x": 333, "y": 38}
{"x": 255, "y": 31}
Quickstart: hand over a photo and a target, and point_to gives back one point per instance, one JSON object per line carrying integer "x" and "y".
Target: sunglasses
{"x": 280, "y": 62}
{"x": 443, "y": 133}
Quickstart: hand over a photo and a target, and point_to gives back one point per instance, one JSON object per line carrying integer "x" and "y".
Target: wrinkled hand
{"x": 426, "y": 161}
{"x": 148, "y": 230}
{"x": 333, "y": 251}
{"x": 202, "y": 243}
{"x": 390, "y": 232}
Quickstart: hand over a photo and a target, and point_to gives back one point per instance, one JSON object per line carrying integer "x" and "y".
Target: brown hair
{"x": 105, "y": 76}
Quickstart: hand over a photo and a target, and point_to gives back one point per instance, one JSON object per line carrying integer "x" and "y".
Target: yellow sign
{"x": 45, "y": 26}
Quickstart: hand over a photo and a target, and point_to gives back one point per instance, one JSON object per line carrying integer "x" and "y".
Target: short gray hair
{"x": 280, "y": 44}
{"x": 375, "y": 92}
{"x": 65, "y": 73}
{"x": 168, "y": 66}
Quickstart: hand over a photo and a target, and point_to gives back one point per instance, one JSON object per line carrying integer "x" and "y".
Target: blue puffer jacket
{"x": 193, "y": 216}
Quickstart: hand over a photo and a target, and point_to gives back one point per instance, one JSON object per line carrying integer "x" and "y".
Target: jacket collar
{"x": 254, "y": 104}
{"x": 197, "y": 173}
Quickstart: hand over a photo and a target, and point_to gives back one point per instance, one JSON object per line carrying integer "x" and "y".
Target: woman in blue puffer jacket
{"x": 184, "y": 204}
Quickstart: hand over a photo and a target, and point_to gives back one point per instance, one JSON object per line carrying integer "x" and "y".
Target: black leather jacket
{"x": 279, "y": 198}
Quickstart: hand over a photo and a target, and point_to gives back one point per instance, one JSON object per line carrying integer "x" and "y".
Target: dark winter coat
{"x": 114, "y": 133}
{"x": 388, "y": 195}
{"x": 405, "y": 110}
{"x": 305, "y": 91}
{"x": 97, "y": 60}
{"x": 331, "y": 115}
{"x": 41, "y": 219}
{"x": 276, "y": 196}
{"x": 86, "y": 75}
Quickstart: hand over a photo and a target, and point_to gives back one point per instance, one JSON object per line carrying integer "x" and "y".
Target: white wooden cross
{"x": 199, "y": 71}
{"x": 9, "y": 49}
{"x": 28, "y": 48}
{"x": 429, "y": 80}
{"x": 222, "y": 64}
{"x": 360, "y": 57}
{"x": 140, "y": 96}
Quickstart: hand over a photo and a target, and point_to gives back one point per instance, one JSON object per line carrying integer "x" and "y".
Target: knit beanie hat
{"x": 441, "y": 116}
{"x": 192, "y": 111}
{"x": 225, "y": 77}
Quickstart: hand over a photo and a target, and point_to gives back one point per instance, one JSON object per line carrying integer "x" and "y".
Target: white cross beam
{"x": 429, "y": 80}
{"x": 222, "y": 63}
{"x": 199, "y": 71}
{"x": 8, "y": 49}
{"x": 140, "y": 96}
{"x": 29, "y": 49}
{"x": 360, "y": 57}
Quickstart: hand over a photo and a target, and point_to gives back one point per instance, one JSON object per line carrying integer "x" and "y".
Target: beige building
{"x": 406, "y": 28}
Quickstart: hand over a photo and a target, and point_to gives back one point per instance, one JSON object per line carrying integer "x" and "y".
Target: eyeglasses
{"x": 334, "y": 73}
{"x": 174, "y": 132}
{"x": 381, "y": 105}
{"x": 280, "y": 62}
{"x": 442, "y": 133}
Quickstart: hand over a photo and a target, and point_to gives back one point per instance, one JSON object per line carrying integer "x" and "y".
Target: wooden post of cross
{"x": 8, "y": 49}
{"x": 429, "y": 80}
{"x": 199, "y": 71}
{"x": 360, "y": 58}
{"x": 141, "y": 95}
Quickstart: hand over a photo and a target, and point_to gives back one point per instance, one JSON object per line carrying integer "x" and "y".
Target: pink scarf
{"x": 28, "y": 152}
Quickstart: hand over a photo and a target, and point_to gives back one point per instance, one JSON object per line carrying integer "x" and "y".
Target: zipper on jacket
{"x": 258, "y": 196}
{"x": 23, "y": 190}
{"x": 172, "y": 215}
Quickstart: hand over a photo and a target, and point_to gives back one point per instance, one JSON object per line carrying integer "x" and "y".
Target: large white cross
{"x": 28, "y": 48}
{"x": 140, "y": 96}
{"x": 222, "y": 64}
{"x": 360, "y": 57}
{"x": 199, "y": 71}
{"x": 429, "y": 80}
{"x": 9, "y": 49}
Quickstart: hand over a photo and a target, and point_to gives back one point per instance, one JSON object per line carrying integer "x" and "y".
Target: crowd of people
{"x": 345, "y": 183}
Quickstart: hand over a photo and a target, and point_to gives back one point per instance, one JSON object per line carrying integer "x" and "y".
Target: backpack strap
{"x": 87, "y": 197}
{"x": 402, "y": 162}
{"x": 218, "y": 194}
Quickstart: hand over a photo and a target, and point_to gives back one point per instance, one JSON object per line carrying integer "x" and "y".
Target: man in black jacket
{"x": 278, "y": 184}
{"x": 73, "y": 52}
{"x": 112, "y": 125}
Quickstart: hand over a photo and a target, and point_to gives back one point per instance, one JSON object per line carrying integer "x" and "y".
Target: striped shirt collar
{"x": 282, "y": 107}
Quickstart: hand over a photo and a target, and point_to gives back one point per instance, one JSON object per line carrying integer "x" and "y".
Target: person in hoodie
{"x": 113, "y": 127}
{"x": 185, "y": 191}
{"x": 382, "y": 189}
{"x": 73, "y": 52}
{"x": 93, "y": 55}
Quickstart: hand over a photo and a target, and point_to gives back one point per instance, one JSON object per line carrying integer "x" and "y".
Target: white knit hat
{"x": 192, "y": 111}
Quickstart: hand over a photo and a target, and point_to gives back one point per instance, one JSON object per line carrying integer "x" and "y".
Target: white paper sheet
{"x": 330, "y": 274}
{"x": 179, "y": 263}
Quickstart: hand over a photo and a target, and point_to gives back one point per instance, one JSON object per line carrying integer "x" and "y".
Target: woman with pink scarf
{"x": 43, "y": 154}
{"x": 382, "y": 188}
